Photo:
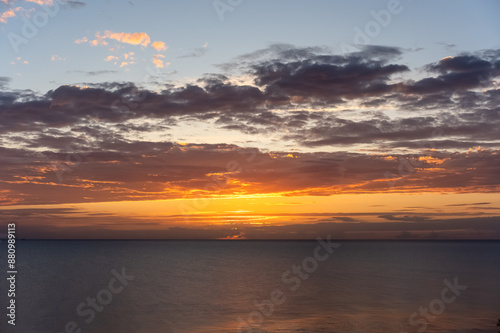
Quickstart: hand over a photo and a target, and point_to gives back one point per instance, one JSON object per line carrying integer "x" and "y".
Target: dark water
{"x": 218, "y": 286}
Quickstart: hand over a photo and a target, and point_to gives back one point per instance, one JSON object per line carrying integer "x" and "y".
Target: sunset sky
{"x": 250, "y": 119}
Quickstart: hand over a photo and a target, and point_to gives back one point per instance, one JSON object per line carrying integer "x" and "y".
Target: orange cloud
{"x": 157, "y": 61}
{"x": 55, "y": 57}
{"x": 81, "y": 40}
{"x": 110, "y": 58}
{"x": 42, "y": 2}
{"x": 159, "y": 46}
{"x": 9, "y": 13}
{"x": 137, "y": 38}
{"x": 432, "y": 159}
{"x": 6, "y": 15}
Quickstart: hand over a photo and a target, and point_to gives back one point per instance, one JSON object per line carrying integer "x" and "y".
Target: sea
{"x": 250, "y": 286}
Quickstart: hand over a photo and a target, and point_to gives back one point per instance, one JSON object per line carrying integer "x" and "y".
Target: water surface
{"x": 217, "y": 286}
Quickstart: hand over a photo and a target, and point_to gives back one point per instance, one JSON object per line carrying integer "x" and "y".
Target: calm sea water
{"x": 223, "y": 286}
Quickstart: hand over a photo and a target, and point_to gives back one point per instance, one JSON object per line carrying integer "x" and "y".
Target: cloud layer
{"x": 356, "y": 123}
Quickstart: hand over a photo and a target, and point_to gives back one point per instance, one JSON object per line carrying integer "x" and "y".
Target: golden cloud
{"x": 56, "y": 57}
{"x": 159, "y": 46}
{"x": 42, "y": 2}
{"x": 81, "y": 40}
{"x": 137, "y": 38}
{"x": 5, "y": 15}
{"x": 111, "y": 58}
{"x": 125, "y": 63}
{"x": 157, "y": 61}
{"x": 9, "y": 13}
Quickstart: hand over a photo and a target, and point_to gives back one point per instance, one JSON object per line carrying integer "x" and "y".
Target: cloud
{"x": 4, "y": 82}
{"x": 448, "y": 46}
{"x": 128, "y": 58}
{"x": 55, "y": 57}
{"x": 111, "y": 58}
{"x": 82, "y": 40}
{"x": 301, "y": 75}
{"x": 284, "y": 88}
{"x": 71, "y": 3}
{"x": 137, "y": 38}
{"x": 42, "y": 2}
{"x": 157, "y": 61}
{"x": 470, "y": 204}
{"x": 455, "y": 74}
{"x": 346, "y": 147}
{"x": 159, "y": 46}
{"x": 75, "y": 4}
{"x": 411, "y": 218}
{"x": 9, "y": 13}
{"x": 196, "y": 53}
{"x": 119, "y": 168}
{"x": 329, "y": 111}
{"x": 89, "y": 224}
{"x": 94, "y": 73}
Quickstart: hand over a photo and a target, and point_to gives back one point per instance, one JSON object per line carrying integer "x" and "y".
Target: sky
{"x": 234, "y": 119}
